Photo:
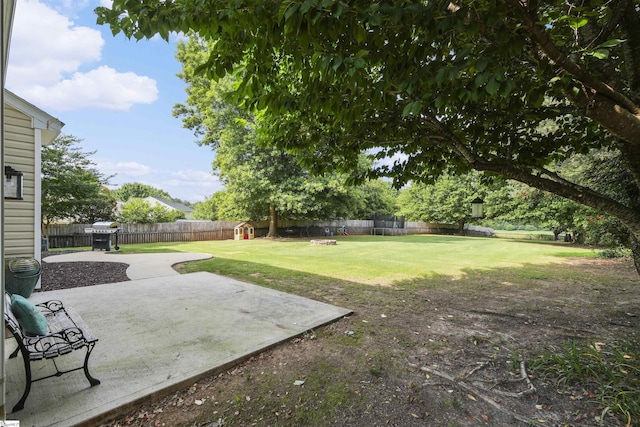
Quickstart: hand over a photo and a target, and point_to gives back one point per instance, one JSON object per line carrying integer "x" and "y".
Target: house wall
{"x": 21, "y": 143}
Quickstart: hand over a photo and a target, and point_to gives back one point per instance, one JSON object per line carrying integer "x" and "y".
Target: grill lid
{"x": 105, "y": 224}
{"x": 103, "y": 227}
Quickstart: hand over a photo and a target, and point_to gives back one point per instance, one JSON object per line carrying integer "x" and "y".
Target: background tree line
{"x": 74, "y": 190}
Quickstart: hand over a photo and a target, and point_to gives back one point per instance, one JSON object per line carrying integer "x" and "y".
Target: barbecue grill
{"x": 101, "y": 233}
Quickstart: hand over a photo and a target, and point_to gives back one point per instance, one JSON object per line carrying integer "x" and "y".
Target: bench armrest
{"x": 50, "y": 307}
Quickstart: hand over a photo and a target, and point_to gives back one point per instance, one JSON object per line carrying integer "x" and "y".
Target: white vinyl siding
{"x": 19, "y": 153}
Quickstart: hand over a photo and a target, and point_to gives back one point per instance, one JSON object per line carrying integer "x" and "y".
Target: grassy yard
{"x": 472, "y": 309}
{"x": 526, "y": 235}
{"x": 373, "y": 260}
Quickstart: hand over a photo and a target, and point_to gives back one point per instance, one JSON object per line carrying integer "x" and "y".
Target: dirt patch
{"x": 438, "y": 351}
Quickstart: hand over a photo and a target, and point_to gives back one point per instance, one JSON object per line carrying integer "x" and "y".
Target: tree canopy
{"x": 447, "y": 200}
{"x": 261, "y": 181}
{"x": 136, "y": 189}
{"x": 72, "y": 188}
{"x": 140, "y": 211}
{"x": 509, "y": 87}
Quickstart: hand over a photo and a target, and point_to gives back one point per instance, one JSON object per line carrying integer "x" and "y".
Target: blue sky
{"x": 115, "y": 94}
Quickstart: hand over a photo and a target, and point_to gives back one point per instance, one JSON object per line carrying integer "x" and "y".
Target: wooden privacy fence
{"x": 74, "y": 235}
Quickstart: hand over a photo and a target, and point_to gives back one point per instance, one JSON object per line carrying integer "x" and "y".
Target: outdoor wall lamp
{"x": 477, "y": 208}
{"x": 13, "y": 183}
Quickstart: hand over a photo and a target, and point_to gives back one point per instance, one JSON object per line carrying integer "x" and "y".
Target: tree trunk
{"x": 461, "y": 226}
{"x": 635, "y": 250}
{"x": 273, "y": 222}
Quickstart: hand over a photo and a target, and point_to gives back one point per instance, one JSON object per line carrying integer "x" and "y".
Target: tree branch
{"x": 542, "y": 179}
{"x": 631, "y": 28}
{"x": 476, "y": 392}
{"x": 566, "y": 189}
{"x": 540, "y": 37}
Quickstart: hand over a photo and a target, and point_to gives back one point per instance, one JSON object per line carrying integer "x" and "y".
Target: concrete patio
{"x": 157, "y": 335}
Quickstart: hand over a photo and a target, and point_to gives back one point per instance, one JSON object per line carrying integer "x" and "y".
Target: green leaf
{"x": 492, "y": 87}
{"x": 283, "y": 8}
{"x": 576, "y": 23}
{"x": 412, "y": 108}
{"x": 291, "y": 10}
{"x": 599, "y": 53}
{"x": 307, "y": 5}
{"x": 440, "y": 76}
{"x": 481, "y": 79}
{"x": 360, "y": 34}
{"x": 375, "y": 19}
{"x": 610, "y": 43}
{"x": 481, "y": 63}
{"x": 337, "y": 62}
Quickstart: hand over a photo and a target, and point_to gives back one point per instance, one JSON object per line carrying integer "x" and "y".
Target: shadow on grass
{"x": 564, "y": 289}
{"x": 499, "y": 315}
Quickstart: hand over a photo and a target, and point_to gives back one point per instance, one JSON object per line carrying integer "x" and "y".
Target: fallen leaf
{"x": 472, "y": 397}
{"x": 298, "y": 382}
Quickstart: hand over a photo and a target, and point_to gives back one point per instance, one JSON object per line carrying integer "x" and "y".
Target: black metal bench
{"x": 67, "y": 332}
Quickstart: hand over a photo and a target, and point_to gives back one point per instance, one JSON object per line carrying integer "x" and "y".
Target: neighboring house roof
{"x": 49, "y": 125}
{"x": 171, "y": 204}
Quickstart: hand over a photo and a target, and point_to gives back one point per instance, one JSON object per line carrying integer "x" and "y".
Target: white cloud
{"x": 196, "y": 179}
{"x": 195, "y": 176}
{"x": 192, "y": 185}
{"x": 45, "y": 44}
{"x": 47, "y": 50}
{"x": 131, "y": 169}
{"x": 103, "y": 88}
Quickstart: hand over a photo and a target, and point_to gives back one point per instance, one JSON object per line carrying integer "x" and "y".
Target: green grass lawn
{"x": 371, "y": 259}
{"x": 462, "y": 301}
{"x": 526, "y": 235}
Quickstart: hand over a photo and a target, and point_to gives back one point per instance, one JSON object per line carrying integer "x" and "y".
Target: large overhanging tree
{"x": 260, "y": 182}
{"x": 507, "y": 86}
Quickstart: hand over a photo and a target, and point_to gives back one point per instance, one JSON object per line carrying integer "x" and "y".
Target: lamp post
{"x": 477, "y": 208}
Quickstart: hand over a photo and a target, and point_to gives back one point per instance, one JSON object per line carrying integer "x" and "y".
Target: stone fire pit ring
{"x": 323, "y": 242}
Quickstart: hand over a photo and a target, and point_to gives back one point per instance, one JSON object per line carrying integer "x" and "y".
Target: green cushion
{"x": 30, "y": 318}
